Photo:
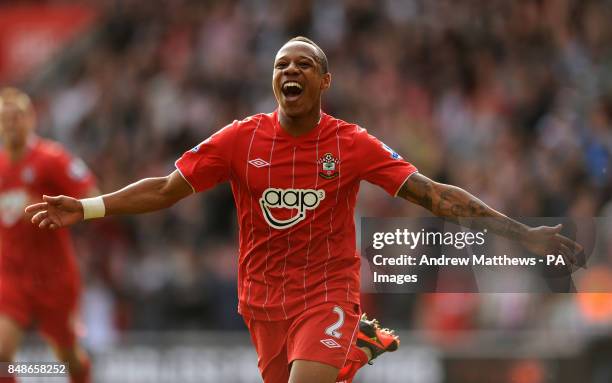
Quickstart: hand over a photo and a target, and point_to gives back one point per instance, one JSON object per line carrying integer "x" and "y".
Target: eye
{"x": 280, "y": 65}
{"x": 305, "y": 64}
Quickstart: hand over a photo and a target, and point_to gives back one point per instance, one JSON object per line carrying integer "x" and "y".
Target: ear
{"x": 326, "y": 81}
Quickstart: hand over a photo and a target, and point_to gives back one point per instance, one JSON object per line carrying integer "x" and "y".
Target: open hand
{"x": 56, "y": 212}
{"x": 544, "y": 240}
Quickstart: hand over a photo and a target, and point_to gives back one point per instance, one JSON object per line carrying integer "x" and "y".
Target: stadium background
{"x": 511, "y": 100}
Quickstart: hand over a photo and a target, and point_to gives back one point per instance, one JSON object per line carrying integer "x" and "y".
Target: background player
{"x": 297, "y": 268}
{"x": 39, "y": 281}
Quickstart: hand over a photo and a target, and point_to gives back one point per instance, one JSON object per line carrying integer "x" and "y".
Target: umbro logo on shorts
{"x": 330, "y": 343}
{"x": 258, "y": 163}
{"x": 298, "y": 199}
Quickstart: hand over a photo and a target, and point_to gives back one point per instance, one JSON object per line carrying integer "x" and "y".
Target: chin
{"x": 297, "y": 110}
{"x": 294, "y": 111}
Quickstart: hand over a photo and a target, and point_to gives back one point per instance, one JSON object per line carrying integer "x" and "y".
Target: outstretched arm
{"x": 459, "y": 206}
{"x": 146, "y": 195}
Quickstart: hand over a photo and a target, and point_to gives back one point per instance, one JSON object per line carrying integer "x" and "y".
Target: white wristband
{"x": 93, "y": 207}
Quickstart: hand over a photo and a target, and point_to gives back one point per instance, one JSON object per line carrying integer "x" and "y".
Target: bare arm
{"x": 459, "y": 206}
{"x": 146, "y": 195}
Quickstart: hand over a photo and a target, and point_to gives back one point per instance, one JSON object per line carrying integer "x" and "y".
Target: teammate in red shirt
{"x": 295, "y": 174}
{"x": 39, "y": 280}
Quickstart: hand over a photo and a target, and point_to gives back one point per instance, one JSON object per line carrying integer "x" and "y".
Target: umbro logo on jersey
{"x": 330, "y": 343}
{"x": 298, "y": 199}
{"x": 258, "y": 163}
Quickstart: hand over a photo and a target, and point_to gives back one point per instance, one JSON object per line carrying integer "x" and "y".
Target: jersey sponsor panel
{"x": 300, "y": 200}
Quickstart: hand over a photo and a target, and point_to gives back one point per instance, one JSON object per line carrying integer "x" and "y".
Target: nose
{"x": 292, "y": 68}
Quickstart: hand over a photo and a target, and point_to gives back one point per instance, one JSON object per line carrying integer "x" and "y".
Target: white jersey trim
{"x": 331, "y": 216}
{"x": 185, "y": 178}
{"x": 269, "y": 229}
{"x": 288, "y": 239}
{"x": 348, "y": 349}
{"x": 406, "y": 179}
{"x": 246, "y": 176}
{"x": 314, "y": 216}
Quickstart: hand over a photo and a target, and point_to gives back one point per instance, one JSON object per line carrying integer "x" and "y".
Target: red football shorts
{"x": 322, "y": 333}
{"x": 51, "y": 308}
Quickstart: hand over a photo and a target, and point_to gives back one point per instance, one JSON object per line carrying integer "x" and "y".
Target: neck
{"x": 299, "y": 125}
{"x": 19, "y": 150}
{"x": 15, "y": 154}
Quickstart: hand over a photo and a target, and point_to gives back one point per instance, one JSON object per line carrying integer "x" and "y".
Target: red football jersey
{"x": 295, "y": 198}
{"x": 37, "y": 255}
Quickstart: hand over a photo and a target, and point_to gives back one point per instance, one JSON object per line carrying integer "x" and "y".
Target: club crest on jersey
{"x": 28, "y": 175}
{"x": 297, "y": 199}
{"x": 328, "y": 168}
{"x": 78, "y": 170}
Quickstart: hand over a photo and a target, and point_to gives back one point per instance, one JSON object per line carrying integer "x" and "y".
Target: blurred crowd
{"x": 511, "y": 100}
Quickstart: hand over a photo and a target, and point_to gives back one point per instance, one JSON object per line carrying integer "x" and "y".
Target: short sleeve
{"x": 74, "y": 177}
{"x": 208, "y": 163}
{"x": 381, "y": 165}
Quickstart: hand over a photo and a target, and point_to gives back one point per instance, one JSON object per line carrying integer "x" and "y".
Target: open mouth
{"x": 292, "y": 90}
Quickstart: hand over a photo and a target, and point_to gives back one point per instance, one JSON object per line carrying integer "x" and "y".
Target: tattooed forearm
{"x": 459, "y": 206}
{"x": 418, "y": 189}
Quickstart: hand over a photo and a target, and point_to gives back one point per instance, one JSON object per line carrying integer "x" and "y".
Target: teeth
{"x": 292, "y": 83}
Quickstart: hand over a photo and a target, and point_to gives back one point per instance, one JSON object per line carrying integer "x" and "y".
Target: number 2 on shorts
{"x": 333, "y": 329}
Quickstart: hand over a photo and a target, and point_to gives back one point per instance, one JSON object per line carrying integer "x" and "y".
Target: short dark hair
{"x": 320, "y": 55}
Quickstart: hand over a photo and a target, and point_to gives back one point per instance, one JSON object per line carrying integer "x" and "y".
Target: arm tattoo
{"x": 418, "y": 189}
{"x": 457, "y": 205}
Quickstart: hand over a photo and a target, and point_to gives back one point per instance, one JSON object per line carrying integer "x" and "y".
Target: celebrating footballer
{"x": 295, "y": 175}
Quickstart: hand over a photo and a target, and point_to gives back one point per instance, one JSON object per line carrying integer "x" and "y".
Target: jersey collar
{"x": 312, "y": 134}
